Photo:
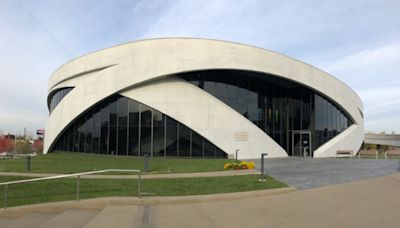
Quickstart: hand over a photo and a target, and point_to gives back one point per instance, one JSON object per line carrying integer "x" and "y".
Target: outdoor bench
{"x": 344, "y": 152}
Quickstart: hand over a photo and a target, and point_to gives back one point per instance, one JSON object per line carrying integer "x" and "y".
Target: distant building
{"x": 8, "y": 136}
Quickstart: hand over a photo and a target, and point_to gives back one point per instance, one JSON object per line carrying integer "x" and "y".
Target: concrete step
{"x": 27, "y": 221}
{"x": 114, "y": 217}
{"x": 73, "y": 218}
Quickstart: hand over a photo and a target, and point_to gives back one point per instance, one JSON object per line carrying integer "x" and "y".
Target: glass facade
{"x": 121, "y": 126}
{"x": 278, "y": 106}
{"x": 56, "y": 97}
{"x": 292, "y": 114}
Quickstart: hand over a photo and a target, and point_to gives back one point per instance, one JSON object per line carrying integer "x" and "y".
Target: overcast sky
{"x": 356, "y": 41}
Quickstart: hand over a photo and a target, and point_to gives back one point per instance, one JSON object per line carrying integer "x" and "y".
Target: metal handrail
{"x": 78, "y": 175}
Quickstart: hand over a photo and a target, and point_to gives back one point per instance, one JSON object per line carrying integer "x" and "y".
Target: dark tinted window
{"x": 275, "y": 105}
{"x": 134, "y": 124}
{"x": 158, "y": 133}
{"x": 171, "y": 138}
{"x": 184, "y": 141}
{"x": 121, "y": 126}
{"x": 56, "y": 97}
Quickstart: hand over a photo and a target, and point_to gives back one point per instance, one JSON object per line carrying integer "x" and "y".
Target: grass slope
{"x": 65, "y": 189}
{"x": 80, "y": 162}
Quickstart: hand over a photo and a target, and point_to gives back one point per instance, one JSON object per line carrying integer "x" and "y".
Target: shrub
{"x": 243, "y": 165}
{"x": 38, "y": 146}
{"x": 228, "y": 166}
{"x": 251, "y": 165}
{"x": 6, "y": 145}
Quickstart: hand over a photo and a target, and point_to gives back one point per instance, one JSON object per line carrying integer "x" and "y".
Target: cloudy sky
{"x": 357, "y": 41}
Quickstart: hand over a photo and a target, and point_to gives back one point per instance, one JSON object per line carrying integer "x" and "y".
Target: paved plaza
{"x": 306, "y": 173}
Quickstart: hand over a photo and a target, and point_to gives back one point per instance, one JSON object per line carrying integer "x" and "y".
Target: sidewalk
{"x": 144, "y": 176}
{"x": 101, "y": 203}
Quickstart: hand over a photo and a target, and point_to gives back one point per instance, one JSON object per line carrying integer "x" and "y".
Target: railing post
{"x": 139, "y": 180}
{"x": 28, "y": 163}
{"x": 146, "y": 163}
{"x": 5, "y": 197}
{"x": 77, "y": 188}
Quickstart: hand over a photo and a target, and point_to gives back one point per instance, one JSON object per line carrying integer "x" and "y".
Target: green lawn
{"x": 79, "y": 162}
{"x": 65, "y": 189}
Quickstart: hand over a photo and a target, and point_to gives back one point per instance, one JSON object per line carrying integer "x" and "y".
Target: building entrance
{"x": 301, "y": 143}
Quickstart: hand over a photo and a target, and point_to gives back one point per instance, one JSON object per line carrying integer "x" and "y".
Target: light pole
{"x": 15, "y": 143}
{"x": 262, "y": 167}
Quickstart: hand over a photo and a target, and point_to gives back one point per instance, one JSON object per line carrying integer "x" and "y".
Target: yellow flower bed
{"x": 241, "y": 165}
{"x": 251, "y": 165}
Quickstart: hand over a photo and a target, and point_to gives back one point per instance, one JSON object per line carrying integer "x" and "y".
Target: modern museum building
{"x": 186, "y": 97}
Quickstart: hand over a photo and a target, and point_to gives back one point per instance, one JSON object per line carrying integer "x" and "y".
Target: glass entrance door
{"x": 301, "y": 143}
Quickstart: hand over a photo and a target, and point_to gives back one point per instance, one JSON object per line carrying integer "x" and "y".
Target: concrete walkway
{"x": 368, "y": 203}
{"x": 145, "y": 176}
{"x": 374, "y": 202}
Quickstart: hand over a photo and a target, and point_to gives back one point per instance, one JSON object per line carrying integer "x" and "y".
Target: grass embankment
{"x": 65, "y": 189}
{"x": 79, "y": 162}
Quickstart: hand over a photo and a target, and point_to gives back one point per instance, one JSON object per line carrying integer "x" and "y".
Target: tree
{"x": 6, "y": 145}
{"x": 38, "y": 146}
{"x": 23, "y": 146}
